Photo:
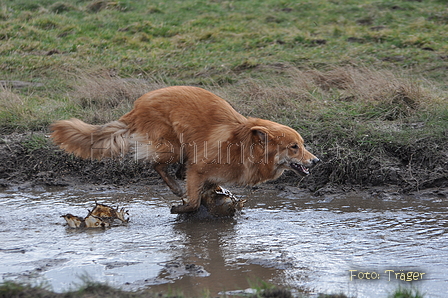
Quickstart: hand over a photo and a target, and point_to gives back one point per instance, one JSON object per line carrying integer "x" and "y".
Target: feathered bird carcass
{"x": 220, "y": 202}
{"x": 101, "y": 216}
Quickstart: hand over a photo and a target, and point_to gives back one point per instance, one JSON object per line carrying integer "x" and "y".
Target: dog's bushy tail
{"x": 91, "y": 141}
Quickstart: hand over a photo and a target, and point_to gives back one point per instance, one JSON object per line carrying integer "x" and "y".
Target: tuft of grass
{"x": 36, "y": 142}
{"x": 11, "y": 103}
{"x": 275, "y": 293}
{"x": 89, "y": 289}
{"x": 332, "y": 296}
{"x": 99, "y": 5}
{"x": 406, "y": 293}
{"x": 11, "y": 289}
{"x": 61, "y": 7}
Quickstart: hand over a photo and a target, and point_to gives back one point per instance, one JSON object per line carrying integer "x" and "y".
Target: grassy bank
{"x": 363, "y": 81}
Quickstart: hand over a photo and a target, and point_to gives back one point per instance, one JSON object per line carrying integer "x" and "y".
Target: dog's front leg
{"x": 172, "y": 184}
{"x": 194, "y": 186}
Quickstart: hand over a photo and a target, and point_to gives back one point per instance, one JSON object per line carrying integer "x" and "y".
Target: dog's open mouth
{"x": 299, "y": 169}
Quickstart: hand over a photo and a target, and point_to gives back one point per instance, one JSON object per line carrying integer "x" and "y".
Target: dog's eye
{"x": 295, "y": 146}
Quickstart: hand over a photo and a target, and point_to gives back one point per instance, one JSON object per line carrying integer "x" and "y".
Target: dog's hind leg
{"x": 172, "y": 184}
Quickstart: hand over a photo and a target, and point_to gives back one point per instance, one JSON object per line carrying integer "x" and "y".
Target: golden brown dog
{"x": 199, "y": 130}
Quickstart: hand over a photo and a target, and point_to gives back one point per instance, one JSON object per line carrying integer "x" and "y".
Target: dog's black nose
{"x": 315, "y": 161}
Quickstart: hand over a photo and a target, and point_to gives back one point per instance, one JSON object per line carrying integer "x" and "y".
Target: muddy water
{"x": 289, "y": 238}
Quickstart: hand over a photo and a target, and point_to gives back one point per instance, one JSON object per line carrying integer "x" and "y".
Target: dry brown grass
{"x": 105, "y": 98}
{"x": 371, "y": 93}
{"x": 15, "y": 108}
{"x": 99, "y": 5}
{"x": 10, "y": 101}
{"x": 396, "y": 96}
{"x": 99, "y": 96}
{"x": 361, "y": 93}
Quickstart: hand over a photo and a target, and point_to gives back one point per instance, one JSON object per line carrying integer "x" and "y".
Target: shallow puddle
{"x": 306, "y": 243}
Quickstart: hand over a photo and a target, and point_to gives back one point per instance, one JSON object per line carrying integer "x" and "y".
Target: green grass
{"x": 35, "y": 142}
{"x": 361, "y": 80}
{"x": 406, "y": 293}
{"x": 181, "y": 39}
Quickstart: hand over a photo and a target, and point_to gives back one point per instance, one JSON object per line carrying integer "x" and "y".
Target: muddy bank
{"x": 30, "y": 159}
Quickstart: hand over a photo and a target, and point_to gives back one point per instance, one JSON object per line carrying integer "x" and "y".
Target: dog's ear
{"x": 260, "y": 133}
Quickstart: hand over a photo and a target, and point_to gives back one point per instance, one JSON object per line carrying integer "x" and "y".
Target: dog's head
{"x": 283, "y": 148}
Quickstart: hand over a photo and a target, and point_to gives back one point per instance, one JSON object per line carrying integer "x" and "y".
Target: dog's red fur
{"x": 198, "y": 129}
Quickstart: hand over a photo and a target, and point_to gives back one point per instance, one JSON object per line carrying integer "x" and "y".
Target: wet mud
{"x": 308, "y": 242}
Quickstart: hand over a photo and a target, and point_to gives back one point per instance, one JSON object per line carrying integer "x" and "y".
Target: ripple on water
{"x": 305, "y": 243}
